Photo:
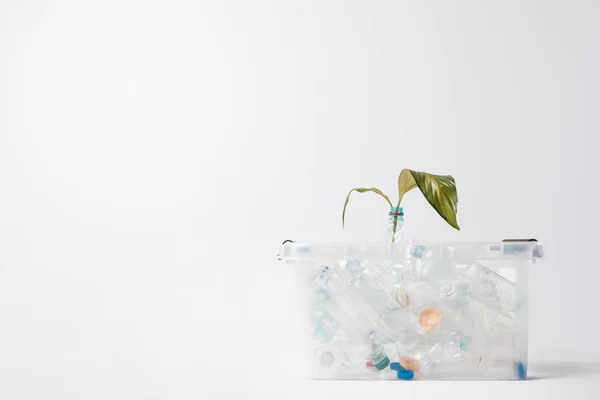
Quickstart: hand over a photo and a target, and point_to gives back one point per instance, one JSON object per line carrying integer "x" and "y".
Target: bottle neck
{"x": 396, "y": 213}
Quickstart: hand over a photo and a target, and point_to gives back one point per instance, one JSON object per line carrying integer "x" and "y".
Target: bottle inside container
{"x": 492, "y": 289}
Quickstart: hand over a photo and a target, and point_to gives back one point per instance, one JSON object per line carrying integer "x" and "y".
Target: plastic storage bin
{"x": 413, "y": 310}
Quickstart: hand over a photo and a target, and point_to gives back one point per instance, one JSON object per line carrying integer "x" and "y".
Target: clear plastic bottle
{"x": 452, "y": 294}
{"x": 420, "y": 251}
{"x": 324, "y": 326}
{"x": 373, "y": 292}
{"x": 413, "y": 295}
{"x": 367, "y": 286}
{"x": 447, "y": 353}
{"x": 423, "y": 354}
{"x": 495, "y": 352}
{"x": 491, "y": 289}
{"x": 395, "y": 223}
{"x": 340, "y": 354}
{"x": 327, "y": 316}
{"x": 378, "y": 352}
{"x": 354, "y": 268}
{"x": 416, "y": 352}
{"x": 345, "y": 304}
{"x": 456, "y": 326}
{"x": 442, "y": 267}
{"x": 396, "y": 318}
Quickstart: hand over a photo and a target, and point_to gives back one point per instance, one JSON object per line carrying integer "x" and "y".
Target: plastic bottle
{"x": 395, "y": 220}
{"x": 420, "y": 251}
{"x": 439, "y": 336}
{"x": 327, "y": 314}
{"x": 368, "y": 287}
{"x": 396, "y": 318}
{"x": 340, "y": 354}
{"x": 354, "y": 268}
{"x": 379, "y": 357}
{"x": 422, "y": 362}
{"x": 458, "y": 328}
{"x": 373, "y": 292}
{"x": 417, "y": 353}
{"x": 324, "y": 326}
{"x": 496, "y": 351}
{"x": 345, "y": 304}
{"x": 441, "y": 267}
{"x": 491, "y": 289}
{"x": 450, "y": 349}
{"x": 413, "y": 295}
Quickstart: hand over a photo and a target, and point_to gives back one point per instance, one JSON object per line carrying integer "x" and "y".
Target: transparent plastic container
{"x": 440, "y": 310}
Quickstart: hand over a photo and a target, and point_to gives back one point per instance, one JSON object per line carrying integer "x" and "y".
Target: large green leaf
{"x": 439, "y": 190}
{"x": 363, "y": 190}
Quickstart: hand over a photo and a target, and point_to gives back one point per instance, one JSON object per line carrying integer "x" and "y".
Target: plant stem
{"x": 396, "y": 221}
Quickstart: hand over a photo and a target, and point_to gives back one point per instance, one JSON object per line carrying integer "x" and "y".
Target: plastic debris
{"x": 433, "y": 313}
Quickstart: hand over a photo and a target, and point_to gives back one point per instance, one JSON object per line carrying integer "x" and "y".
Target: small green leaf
{"x": 363, "y": 190}
{"x": 439, "y": 190}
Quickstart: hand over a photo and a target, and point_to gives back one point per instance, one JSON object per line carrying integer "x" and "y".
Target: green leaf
{"x": 363, "y": 190}
{"x": 439, "y": 190}
{"x": 406, "y": 183}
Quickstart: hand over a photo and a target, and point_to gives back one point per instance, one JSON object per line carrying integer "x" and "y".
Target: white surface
{"x": 153, "y": 156}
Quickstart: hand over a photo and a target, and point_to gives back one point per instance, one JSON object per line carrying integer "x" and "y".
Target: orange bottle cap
{"x": 429, "y": 318}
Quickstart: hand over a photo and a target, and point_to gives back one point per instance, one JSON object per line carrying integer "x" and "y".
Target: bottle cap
{"x": 429, "y": 318}
{"x": 409, "y": 363}
{"x": 520, "y": 371}
{"x": 326, "y": 359}
{"x": 385, "y": 361}
{"x": 397, "y": 367}
{"x": 406, "y": 375}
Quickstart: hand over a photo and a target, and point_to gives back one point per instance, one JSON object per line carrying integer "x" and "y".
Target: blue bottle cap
{"x": 520, "y": 371}
{"x": 406, "y": 375}
{"x": 397, "y": 367}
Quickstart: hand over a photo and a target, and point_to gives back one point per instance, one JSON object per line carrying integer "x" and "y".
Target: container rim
{"x": 409, "y": 250}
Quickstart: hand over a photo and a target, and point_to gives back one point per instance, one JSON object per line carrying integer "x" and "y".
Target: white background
{"x": 153, "y": 156}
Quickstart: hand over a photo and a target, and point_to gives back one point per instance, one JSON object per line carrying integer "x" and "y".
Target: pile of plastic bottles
{"x": 434, "y": 317}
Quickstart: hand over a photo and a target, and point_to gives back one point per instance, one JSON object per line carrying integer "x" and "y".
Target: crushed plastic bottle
{"x": 395, "y": 221}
